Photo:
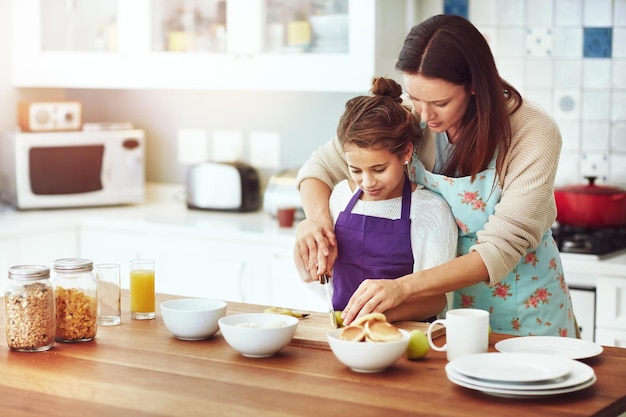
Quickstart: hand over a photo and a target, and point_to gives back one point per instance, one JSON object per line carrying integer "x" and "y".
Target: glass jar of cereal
{"x": 30, "y": 314}
{"x": 75, "y": 289}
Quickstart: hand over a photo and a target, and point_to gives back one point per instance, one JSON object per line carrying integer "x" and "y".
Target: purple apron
{"x": 371, "y": 247}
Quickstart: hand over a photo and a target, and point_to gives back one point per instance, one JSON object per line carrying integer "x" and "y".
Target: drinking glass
{"x": 109, "y": 294}
{"x": 142, "y": 294}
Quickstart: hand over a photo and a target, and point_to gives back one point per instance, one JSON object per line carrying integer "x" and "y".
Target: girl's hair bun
{"x": 387, "y": 87}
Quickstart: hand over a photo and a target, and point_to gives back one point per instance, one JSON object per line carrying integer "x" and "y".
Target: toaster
{"x": 223, "y": 186}
{"x": 282, "y": 191}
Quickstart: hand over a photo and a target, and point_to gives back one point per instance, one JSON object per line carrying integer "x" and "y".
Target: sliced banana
{"x": 285, "y": 312}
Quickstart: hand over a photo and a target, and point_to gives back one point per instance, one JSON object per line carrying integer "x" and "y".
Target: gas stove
{"x": 600, "y": 242}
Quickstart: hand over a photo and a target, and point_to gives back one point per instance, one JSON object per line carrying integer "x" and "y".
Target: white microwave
{"x": 72, "y": 169}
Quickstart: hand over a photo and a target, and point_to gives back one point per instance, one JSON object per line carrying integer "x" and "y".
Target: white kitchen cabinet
{"x": 274, "y": 267}
{"x": 106, "y": 245}
{"x": 189, "y": 266}
{"x": 36, "y": 248}
{"x": 611, "y": 311}
{"x": 123, "y": 44}
{"x": 199, "y": 267}
{"x": 44, "y": 247}
{"x": 8, "y": 255}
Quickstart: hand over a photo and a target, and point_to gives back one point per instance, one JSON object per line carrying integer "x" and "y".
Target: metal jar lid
{"x": 29, "y": 272}
{"x": 73, "y": 264}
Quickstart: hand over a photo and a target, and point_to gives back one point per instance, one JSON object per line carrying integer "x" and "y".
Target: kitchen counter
{"x": 138, "y": 368}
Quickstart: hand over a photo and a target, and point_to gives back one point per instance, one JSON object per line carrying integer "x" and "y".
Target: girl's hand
{"x": 315, "y": 248}
{"x": 373, "y": 295}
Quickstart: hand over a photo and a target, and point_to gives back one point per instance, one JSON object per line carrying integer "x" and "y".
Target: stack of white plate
{"x": 517, "y": 371}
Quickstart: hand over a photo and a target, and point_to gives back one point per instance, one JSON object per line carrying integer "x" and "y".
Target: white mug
{"x": 467, "y": 332}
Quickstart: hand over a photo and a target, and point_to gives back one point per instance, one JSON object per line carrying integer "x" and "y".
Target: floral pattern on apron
{"x": 533, "y": 299}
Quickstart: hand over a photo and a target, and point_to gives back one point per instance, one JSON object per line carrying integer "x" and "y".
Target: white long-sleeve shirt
{"x": 433, "y": 228}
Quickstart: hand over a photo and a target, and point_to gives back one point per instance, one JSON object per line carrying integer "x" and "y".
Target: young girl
{"x": 386, "y": 226}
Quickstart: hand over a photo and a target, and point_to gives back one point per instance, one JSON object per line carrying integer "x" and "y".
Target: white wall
{"x": 7, "y": 94}
{"x": 303, "y": 120}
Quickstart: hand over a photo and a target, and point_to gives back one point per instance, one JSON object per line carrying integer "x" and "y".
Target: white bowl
{"x": 193, "y": 318}
{"x": 367, "y": 356}
{"x": 258, "y": 335}
{"x": 330, "y": 26}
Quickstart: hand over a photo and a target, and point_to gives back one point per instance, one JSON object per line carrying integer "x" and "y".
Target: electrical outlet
{"x": 595, "y": 164}
{"x": 227, "y": 145}
{"x": 193, "y": 146}
{"x": 265, "y": 150}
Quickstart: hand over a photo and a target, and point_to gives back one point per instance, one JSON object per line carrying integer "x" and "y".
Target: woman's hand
{"x": 374, "y": 295}
{"x": 315, "y": 249}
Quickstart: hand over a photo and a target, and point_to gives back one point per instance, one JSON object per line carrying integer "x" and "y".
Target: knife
{"x": 325, "y": 280}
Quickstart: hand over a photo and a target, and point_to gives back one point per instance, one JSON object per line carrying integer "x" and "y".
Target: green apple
{"x": 418, "y": 345}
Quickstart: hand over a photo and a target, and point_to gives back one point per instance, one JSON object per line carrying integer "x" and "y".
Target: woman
{"x": 493, "y": 157}
{"x": 386, "y": 226}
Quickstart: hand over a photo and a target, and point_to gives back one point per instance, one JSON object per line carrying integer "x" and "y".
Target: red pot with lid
{"x": 591, "y": 205}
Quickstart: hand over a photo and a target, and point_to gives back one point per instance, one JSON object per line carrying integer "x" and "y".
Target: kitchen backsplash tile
{"x": 538, "y": 41}
{"x": 595, "y": 163}
{"x": 458, "y": 7}
{"x": 538, "y": 73}
{"x": 510, "y": 42}
{"x": 597, "y": 42}
{"x": 619, "y": 74}
{"x": 619, "y": 42}
{"x": 483, "y": 12}
{"x": 568, "y": 13}
{"x": 567, "y": 73}
{"x": 618, "y": 137}
{"x": 570, "y": 131}
{"x": 596, "y": 73}
{"x": 597, "y": 12}
{"x": 569, "y": 56}
{"x": 596, "y": 105}
{"x": 569, "y": 167}
{"x": 619, "y": 13}
{"x": 539, "y": 12}
{"x": 618, "y": 113}
{"x": 510, "y": 12}
{"x": 568, "y": 42}
{"x": 567, "y": 104}
{"x": 618, "y": 165}
{"x": 595, "y": 136}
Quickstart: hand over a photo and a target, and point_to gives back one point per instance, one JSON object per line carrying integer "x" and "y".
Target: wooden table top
{"x": 139, "y": 369}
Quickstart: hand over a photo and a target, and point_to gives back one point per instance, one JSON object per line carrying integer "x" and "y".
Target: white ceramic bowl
{"x": 193, "y": 318}
{"x": 330, "y": 26}
{"x": 258, "y": 335}
{"x": 367, "y": 356}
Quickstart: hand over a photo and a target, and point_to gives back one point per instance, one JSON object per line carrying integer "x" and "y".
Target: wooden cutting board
{"x": 311, "y": 331}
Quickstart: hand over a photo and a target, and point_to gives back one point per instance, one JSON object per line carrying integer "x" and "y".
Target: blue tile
{"x": 457, "y": 7}
{"x": 597, "y": 42}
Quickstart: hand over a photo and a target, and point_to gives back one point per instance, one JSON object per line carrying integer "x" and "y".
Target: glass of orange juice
{"x": 142, "y": 294}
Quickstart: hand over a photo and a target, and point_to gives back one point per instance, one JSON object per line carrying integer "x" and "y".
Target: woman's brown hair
{"x": 450, "y": 48}
{"x": 379, "y": 121}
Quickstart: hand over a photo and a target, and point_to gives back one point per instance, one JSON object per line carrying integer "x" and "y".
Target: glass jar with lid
{"x": 76, "y": 299}
{"x": 30, "y": 313}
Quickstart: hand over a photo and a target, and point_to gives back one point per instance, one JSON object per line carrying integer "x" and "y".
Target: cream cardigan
{"x": 526, "y": 210}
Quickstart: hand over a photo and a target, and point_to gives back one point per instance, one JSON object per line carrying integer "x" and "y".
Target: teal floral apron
{"x": 533, "y": 299}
